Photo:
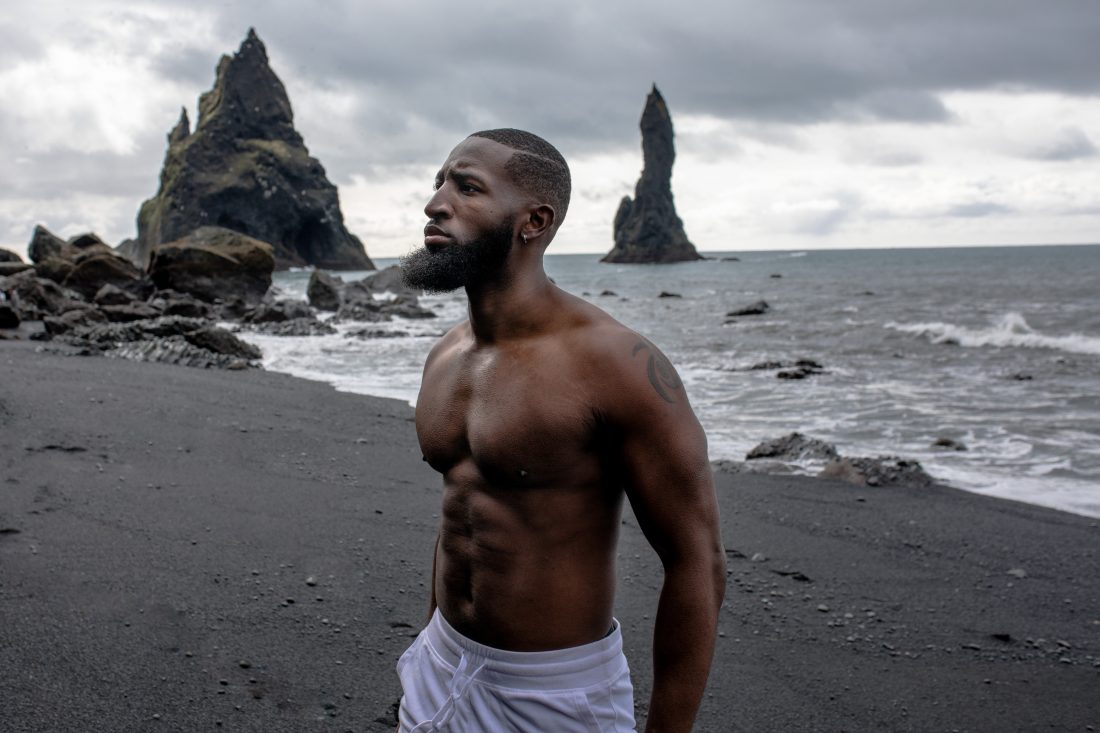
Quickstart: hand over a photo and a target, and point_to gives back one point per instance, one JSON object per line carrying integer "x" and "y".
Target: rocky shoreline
{"x": 82, "y": 295}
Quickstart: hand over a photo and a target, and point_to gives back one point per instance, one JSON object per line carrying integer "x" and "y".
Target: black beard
{"x": 460, "y": 263}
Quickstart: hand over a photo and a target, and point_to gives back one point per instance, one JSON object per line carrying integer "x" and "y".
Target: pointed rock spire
{"x": 245, "y": 168}
{"x": 182, "y": 128}
{"x": 646, "y": 227}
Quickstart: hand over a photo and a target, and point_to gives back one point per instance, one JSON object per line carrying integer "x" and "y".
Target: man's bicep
{"x": 663, "y": 448}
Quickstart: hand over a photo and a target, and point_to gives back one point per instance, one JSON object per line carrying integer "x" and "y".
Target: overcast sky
{"x": 799, "y": 123}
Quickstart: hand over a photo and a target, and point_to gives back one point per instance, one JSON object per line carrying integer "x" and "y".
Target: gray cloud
{"x": 414, "y": 78}
{"x": 1070, "y": 143}
{"x": 978, "y": 209}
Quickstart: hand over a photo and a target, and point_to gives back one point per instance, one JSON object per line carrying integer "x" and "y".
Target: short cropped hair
{"x": 536, "y": 166}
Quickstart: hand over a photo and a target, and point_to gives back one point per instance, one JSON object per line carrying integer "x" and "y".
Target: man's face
{"x": 471, "y": 220}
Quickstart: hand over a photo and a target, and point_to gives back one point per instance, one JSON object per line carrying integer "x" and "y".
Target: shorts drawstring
{"x": 460, "y": 684}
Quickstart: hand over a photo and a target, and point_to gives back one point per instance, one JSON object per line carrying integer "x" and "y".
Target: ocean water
{"x": 997, "y": 348}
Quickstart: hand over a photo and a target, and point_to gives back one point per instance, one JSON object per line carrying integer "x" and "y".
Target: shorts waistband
{"x": 576, "y": 667}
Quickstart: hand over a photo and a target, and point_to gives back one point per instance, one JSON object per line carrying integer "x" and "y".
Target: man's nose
{"x": 437, "y": 206}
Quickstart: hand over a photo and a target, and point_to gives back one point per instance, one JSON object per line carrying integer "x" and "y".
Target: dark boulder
{"x": 389, "y": 280}
{"x": 54, "y": 267}
{"x": 794, "y": 447}
{"x": 323, "y": 291}
{"x": 14, "y": 268}
{"x": 375, "y": 333}
{"x": 111, "y": 295}
{"x": 294, "y": 327}
{"x": 129, "y": 312}
{"x": 646, "y": 228}
{"x": 44, "y": 243}
{"x": 245, "y": 168}
{"x": 369, "y": 311}
{"x": 171, "y": 303}
{"x": 880, "y": 471}
{"x": 7, "y": 256}
{"x": 76, "y": 318}
{"x": 36, "y": 297}
{"x": 758, "y": 308}
{"x": 220, "y": 341}
{"x": 213, "y": 263}
{"x": 948, "y": 444}
{"x": 801, "y": 369}
{"x": 278, "y": 312}
{"x": 666, "y": 294}
{"x": 94, "y": 268}
{"x": 406, "y": 306}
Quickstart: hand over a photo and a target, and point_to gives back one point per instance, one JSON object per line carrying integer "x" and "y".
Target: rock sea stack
{"x": 647, "y": 229}
{"x": 244, "y": 167}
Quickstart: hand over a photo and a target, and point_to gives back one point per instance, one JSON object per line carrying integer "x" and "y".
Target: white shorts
{"x": 452, "y": 683}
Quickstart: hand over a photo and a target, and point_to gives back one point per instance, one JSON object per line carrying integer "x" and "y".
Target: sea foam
{"x": 1010, "y": 330}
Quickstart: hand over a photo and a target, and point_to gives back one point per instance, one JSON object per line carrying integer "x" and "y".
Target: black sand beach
{"x": 188, "y": 550}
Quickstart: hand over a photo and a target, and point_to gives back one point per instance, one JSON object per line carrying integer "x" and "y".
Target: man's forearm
{"x": 683, "y": 643}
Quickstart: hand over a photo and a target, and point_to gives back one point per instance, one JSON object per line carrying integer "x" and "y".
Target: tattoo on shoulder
{"x": 661, "y": 374}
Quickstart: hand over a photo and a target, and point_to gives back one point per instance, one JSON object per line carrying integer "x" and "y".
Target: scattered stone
{"x": 112, "y": 295}
{"x": 43, "y": 244}
{"x": 129, "y": 312}
{"x": 666, "y": 294}
{"x": 323, "y": 291}
{"x": 794, "y": 447}
{"x": 948, "y": 444}
{"x": 1018, "y": 573}
{"x": 213, "y": 263}
{"x": 802, "y": 368}
{"x": 376, "y": 333}
{"x": 646, "y": 228}
{"x": 776, "y": 276}
{"x": 389, "y": 280}
{"x": 278, "y": 312}
{"x": 880, "y": 471}
{"x": 14, "y": 268}
{"x": 97, "y": 265}
{"x": 172, "y": 303}
{"x": 608, "y": 294}
{"x": 758, "y": 308}
{"x": 220, "y": 341}
{"x": 295, "y": 327}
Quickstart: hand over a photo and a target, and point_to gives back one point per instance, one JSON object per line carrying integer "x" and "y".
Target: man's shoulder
{"x": 626, "y": 369}
{"x": 448, "y": 342}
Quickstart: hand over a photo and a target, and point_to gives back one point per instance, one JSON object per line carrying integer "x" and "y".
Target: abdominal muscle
{"x": 527, "y": 568}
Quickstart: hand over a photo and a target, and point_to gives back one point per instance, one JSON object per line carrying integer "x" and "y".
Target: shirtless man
{"x": 542, "y": 413}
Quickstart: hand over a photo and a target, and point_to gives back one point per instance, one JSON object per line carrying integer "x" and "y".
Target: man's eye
{"x": 467, "y": 188}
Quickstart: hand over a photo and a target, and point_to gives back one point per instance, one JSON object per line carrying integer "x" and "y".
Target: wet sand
{"x": 186, "y": 550}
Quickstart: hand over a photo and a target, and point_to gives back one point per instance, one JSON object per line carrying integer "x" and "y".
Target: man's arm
{"x": 671, "y": 489}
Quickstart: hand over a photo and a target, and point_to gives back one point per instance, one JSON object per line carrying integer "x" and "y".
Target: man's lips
{"x": 434, "y": 236}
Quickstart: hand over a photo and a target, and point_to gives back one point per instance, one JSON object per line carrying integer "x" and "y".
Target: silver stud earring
{"x": 523, "y": 235}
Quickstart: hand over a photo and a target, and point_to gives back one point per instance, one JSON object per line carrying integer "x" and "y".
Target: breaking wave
{"x": 1009, "y": 330}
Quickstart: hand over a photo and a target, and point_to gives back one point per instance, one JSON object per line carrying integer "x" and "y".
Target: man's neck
{"x": 512, "y": 306}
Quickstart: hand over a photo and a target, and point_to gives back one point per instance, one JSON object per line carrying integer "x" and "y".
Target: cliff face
{"x": 246, "y": 168}
{"x": 646, "y": 227}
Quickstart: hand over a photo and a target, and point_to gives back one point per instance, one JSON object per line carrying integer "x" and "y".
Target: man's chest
{"x": 523, "y": 417}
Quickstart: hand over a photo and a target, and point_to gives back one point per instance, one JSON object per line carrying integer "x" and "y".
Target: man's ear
{"x": 540, "y": 222}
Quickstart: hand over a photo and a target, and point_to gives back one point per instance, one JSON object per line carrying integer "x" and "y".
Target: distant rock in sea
{"x": 246, "y": 168}
{"x": 646, "y": 227}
